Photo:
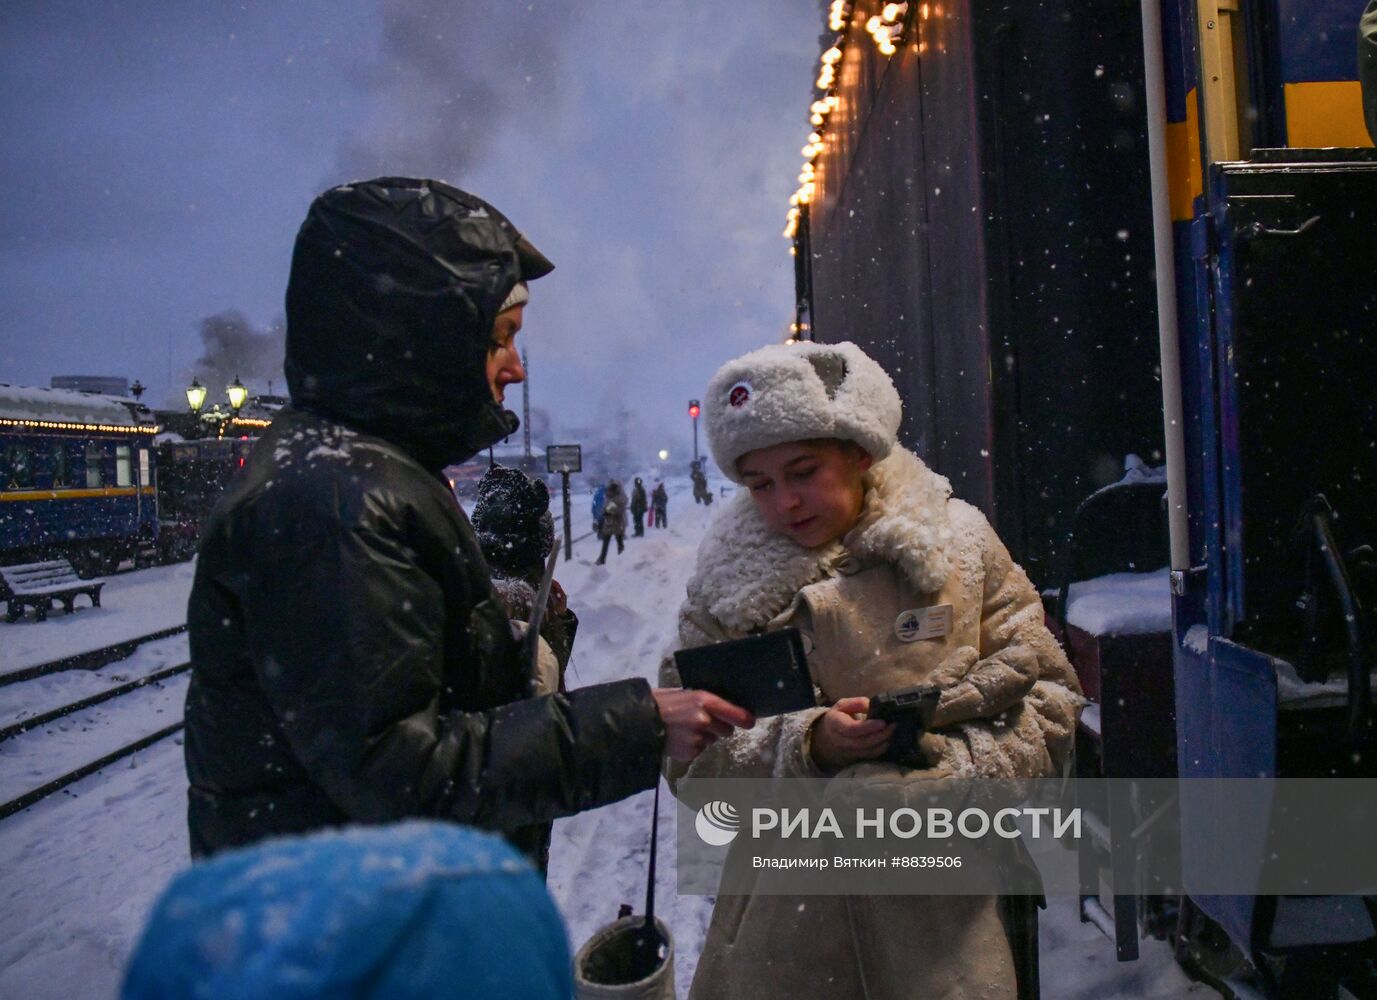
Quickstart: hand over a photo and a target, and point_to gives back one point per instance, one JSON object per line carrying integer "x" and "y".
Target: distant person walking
{"x": 659, "y": 505}
{"x": 638, "y": 506}
{"x": 599, "y": 499}
{"x": 613, "y": 522}
{"x": 701, "y": 493}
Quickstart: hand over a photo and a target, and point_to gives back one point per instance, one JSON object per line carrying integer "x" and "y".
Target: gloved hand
{"x": 973, "y": 688}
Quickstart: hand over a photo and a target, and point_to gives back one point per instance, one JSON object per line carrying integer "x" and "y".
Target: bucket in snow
{"x": 626, "y": 959}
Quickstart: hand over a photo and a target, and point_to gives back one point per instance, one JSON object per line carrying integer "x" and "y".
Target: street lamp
{"x": 195, "y": 395}
{"x": 237, "y": 394}
{"x": 694, "y": 410}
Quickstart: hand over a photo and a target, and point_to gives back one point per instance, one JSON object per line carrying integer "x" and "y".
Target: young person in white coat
{"x": 839, "y": 532}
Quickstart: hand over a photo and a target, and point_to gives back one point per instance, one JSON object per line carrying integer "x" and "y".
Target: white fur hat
{"x": 793, "y": 392}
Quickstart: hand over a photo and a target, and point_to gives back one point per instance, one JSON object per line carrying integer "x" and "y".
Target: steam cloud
{"x": 232, "y": 347}
{"x": 447, "y": 75}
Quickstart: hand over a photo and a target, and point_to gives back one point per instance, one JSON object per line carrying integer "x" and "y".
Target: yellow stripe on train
{"x": 113, "y": 491}
{"x": 1325, "y": 114}
{"x": 1185, "y": 177}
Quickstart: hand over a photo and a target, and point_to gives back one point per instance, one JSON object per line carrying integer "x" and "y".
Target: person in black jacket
{"x": 351, "y": 662}
{"x": 639, "y": 506}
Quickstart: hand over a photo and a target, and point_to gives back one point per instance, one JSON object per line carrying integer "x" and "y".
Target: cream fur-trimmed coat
{"x": 1008, "y": 709}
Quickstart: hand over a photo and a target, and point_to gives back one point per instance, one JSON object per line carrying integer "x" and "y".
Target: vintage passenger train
{"x": 76, "y": 477}
{"x": 85, "y": 477}
{"x": 1056, "y": 222}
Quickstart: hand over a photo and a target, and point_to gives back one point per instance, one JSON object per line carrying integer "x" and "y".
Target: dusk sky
{"x": 158, "y": 158}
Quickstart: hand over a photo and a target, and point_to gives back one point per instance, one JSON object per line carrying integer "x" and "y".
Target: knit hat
{"x": 795, "y": 392}
{"x": 513, "y": 522}
{"x": 520, "y": 295}
{"x": 406, "y": 912}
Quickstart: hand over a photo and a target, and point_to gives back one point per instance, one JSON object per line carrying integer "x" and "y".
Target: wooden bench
{"x": 39, "y": 584}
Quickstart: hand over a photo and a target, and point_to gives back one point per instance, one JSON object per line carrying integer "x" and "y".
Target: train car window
{"x": 94, "y": 479}
{"x": 145, "y": 476}
{"x": 61, "y": 465}
{"x": 19, "y": 459}
{"x": 124, "y": 468}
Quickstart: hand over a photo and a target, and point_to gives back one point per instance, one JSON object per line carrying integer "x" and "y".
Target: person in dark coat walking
{"x": 638, "y": 506}
{"x": 599, "y": 502}
{"x": 701, "y": 493}
{"x": 351, "y": 661}
{"x": 613, "y": 523}
{"x": 659, "y": 505}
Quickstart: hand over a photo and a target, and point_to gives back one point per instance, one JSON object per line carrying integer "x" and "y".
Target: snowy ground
{"x": 81, "y": 869}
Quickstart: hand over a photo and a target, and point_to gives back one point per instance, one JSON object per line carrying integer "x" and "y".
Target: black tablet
{"x": 766, "y": 674}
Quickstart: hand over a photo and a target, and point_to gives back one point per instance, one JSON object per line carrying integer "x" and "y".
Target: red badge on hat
{"x": 740, "y": 394}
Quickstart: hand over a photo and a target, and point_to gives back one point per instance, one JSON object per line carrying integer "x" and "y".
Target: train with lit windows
{"x": 1121, "y": 261}
{"x": 77, "y": 478}
{"x": 99, "y": 480}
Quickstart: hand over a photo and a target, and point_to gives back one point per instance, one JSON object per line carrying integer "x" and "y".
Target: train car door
{"x": 1295, "y": 343}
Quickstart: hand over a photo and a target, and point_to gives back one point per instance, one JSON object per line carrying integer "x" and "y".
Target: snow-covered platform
{"x": 83, "y": 867}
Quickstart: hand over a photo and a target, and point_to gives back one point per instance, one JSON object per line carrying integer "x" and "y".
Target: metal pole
{"x": 526, "y": 406}
{"x": 1168, "y": 331}
{"x": 568, "y": 534}
{"x": 695, "y": 439}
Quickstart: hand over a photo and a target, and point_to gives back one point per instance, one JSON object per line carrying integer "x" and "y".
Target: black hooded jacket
{"x": 351, "y": 661}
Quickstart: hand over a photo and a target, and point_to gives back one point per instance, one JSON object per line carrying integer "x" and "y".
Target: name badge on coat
{"x": 923, "y": 623}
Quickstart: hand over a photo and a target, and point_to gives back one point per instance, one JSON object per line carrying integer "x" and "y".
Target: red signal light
{"x": 693, "y": 409}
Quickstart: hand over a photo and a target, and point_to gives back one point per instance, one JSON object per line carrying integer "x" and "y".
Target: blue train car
{"x": 1272, "y": 222}
{"x": 1077, "y": 233}
{"x": 77, "y": 477}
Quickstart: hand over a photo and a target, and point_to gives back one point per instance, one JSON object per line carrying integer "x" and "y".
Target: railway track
{"x": 42, "y": 719}
{"x": 91, "y": 660}
{"x": 40, "y": 793}
{"x": 126, "y": 726}
{"x": 94, "y": 660}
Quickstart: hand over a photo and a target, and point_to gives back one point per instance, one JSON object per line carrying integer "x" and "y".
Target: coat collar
{"x": 746, "y": 574}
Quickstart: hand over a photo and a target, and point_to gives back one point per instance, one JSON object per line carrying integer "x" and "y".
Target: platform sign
{"x": 564, "y": 458}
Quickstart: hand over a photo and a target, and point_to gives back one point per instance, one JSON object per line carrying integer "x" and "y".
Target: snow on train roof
{"x": 23, "y": 402}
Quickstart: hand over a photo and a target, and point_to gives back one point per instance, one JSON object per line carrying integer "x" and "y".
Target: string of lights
{"x": 60, "y": 425}
{"x": 886, "y": 29}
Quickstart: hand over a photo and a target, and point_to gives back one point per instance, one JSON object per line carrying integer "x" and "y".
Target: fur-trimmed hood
{"x": 747, "y": 574}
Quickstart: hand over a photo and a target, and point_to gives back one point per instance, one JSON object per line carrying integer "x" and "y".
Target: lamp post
{"x": 195, "y": 396}
{"x": 694, "y": 410}
{"x": 237, "y": 394}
